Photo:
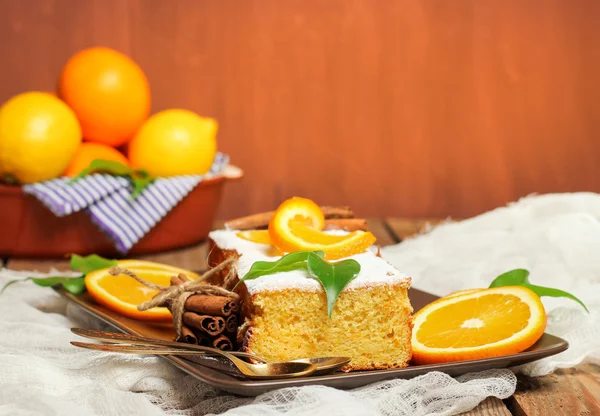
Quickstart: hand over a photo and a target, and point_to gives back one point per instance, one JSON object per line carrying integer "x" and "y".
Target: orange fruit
{"x": 90, "y": 151}
{"x": 122, "y": 294}
{"x": 479, "y": 324}
{"x": 151, "y": 265}
{"x": 175, "y": 142}
{"x": 39, "y": 134}
{"x": 256, "y": 236}
{"x": 296, "y": 225}
{"x": 108, "y": 92}
{"x": 461, "y": 292}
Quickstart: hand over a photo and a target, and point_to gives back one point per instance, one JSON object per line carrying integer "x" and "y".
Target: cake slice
{"x": 285, "y": 314}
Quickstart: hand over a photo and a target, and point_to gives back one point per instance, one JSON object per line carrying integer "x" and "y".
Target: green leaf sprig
{"x": 520, "y": 277}
{"x": 333, "y": 277}
{"x": 140, "y": 179}
{"x": 74, "y": 285}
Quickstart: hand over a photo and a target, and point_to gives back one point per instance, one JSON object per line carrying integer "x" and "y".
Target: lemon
{"x": 174, "y": 142}
{"x": 39, "y": 135}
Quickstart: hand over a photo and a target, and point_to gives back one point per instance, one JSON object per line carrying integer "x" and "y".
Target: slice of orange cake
{"x": 286, "y": 313}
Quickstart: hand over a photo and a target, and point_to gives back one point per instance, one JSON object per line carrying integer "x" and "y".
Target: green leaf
{"x": 74, "y": 285}
{"x": 333, "y": 276}
{"x": 105, "y": 166}
{"x": 291, "y": 261}
{"x": 520, "y": 277}
{"x": 90, "y": 263}
{"x": 139, "y": 184}
{"x": 140, "y": 179}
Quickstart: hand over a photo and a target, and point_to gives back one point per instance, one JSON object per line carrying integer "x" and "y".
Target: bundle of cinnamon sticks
{"x": 209, "y": 320}
{"x": 336, "y": 218}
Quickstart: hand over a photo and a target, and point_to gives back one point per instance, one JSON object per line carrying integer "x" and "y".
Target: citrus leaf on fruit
{"x": 333, "y": 276}
{"x": 90, "y": 263}
{"x": 140, "y": 179}
{"x": 292, "y": 261}
{"x": 520, "y": 277}
{"x": 74, "y": 285}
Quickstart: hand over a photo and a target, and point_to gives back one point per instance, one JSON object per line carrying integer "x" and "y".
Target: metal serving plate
{"x": 219, "y": 373}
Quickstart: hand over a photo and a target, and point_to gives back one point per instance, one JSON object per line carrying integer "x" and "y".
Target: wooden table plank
{"x": 381, "y": 231}
{"x": 192, "y": 258}
{"x": 403, "y": 228}
{"x": 572, "y": 391}
{"x": 489, "y": 407}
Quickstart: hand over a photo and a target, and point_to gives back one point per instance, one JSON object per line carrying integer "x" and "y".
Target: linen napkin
{"x": 108, "y": 200}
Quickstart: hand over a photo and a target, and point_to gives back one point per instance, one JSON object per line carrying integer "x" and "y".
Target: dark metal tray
{"x": 219, "y": 373}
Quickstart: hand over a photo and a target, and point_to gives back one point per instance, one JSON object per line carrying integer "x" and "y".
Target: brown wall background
{"x": 405, "y": 108}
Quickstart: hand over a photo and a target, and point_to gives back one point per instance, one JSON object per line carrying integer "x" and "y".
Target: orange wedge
{"x": 151, "y": 265}
{"x": 122, "y": 294}
{"x": 461, "y": 292}
{"x": 296, "y": 225}
{"x": 478, "y": 324}
{"x": 256, "y": 236}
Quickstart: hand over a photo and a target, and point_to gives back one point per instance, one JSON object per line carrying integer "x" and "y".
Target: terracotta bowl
{"x": 29, "y": 229}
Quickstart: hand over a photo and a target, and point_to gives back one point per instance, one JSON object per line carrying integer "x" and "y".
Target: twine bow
{"x": 174, "y": 296}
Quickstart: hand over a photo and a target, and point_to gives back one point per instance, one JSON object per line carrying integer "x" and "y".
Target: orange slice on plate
{"x": 122, "y": 294}
{"x": 151, "y": 265}
{"x": 297, "y": 224}
{"x": 478, "y": 324}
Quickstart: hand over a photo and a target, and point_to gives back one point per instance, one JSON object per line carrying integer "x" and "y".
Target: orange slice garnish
{"x": 151, "y": 265}
{"x": 296, "y": 225}
{"x": 478, "y": 324}
{"x": 122, "y": 294}
{"x": 256, "y": 236}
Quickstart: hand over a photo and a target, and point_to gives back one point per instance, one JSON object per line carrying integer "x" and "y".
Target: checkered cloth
{"x": 107, "y": 199}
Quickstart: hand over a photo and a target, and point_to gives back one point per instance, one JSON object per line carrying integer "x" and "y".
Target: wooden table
{"x": 567, "y": 392}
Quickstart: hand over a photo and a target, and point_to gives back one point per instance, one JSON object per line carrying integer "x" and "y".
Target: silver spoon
{"x": 324, "y": 364}
{"x": 252, "y": 371}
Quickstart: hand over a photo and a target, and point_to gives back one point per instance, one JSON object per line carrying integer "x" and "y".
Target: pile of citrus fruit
{"x": 297, "y": 225}
{"x": 100, "y": 111}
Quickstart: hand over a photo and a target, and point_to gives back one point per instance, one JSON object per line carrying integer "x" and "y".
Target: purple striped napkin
{"x": 107, "y": 199}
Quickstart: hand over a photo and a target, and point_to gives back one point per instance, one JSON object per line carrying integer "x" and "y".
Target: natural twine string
{"x": 176, "y": 295}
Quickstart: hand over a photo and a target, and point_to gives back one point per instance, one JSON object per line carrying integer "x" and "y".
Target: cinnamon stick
{"x": 231, "y": 324}
{"x": 261, "y": 220}
{"x": 222, "y": 343}
{"x": 337, "y": 212}
{"x": 176, "y": 280}
{"x": 187, "y": 336}
{"x": 203, "y": 339}
{"x": 211, "y": 305}
{"x": 212, "y": 325}
{"x": 347, "y": 224}
{"x": 250, "y": 222}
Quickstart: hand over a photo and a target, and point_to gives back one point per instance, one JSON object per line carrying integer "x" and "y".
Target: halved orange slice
{"x": 151, "y": 265}
{"x": 478, "y": 324}
{"x": 122, "y": 294}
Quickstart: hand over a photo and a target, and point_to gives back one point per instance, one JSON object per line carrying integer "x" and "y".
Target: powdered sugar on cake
{"x": 373, "y": 270}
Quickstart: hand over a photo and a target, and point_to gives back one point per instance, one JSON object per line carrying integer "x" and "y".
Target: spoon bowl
{"x": 325, "y": 365}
